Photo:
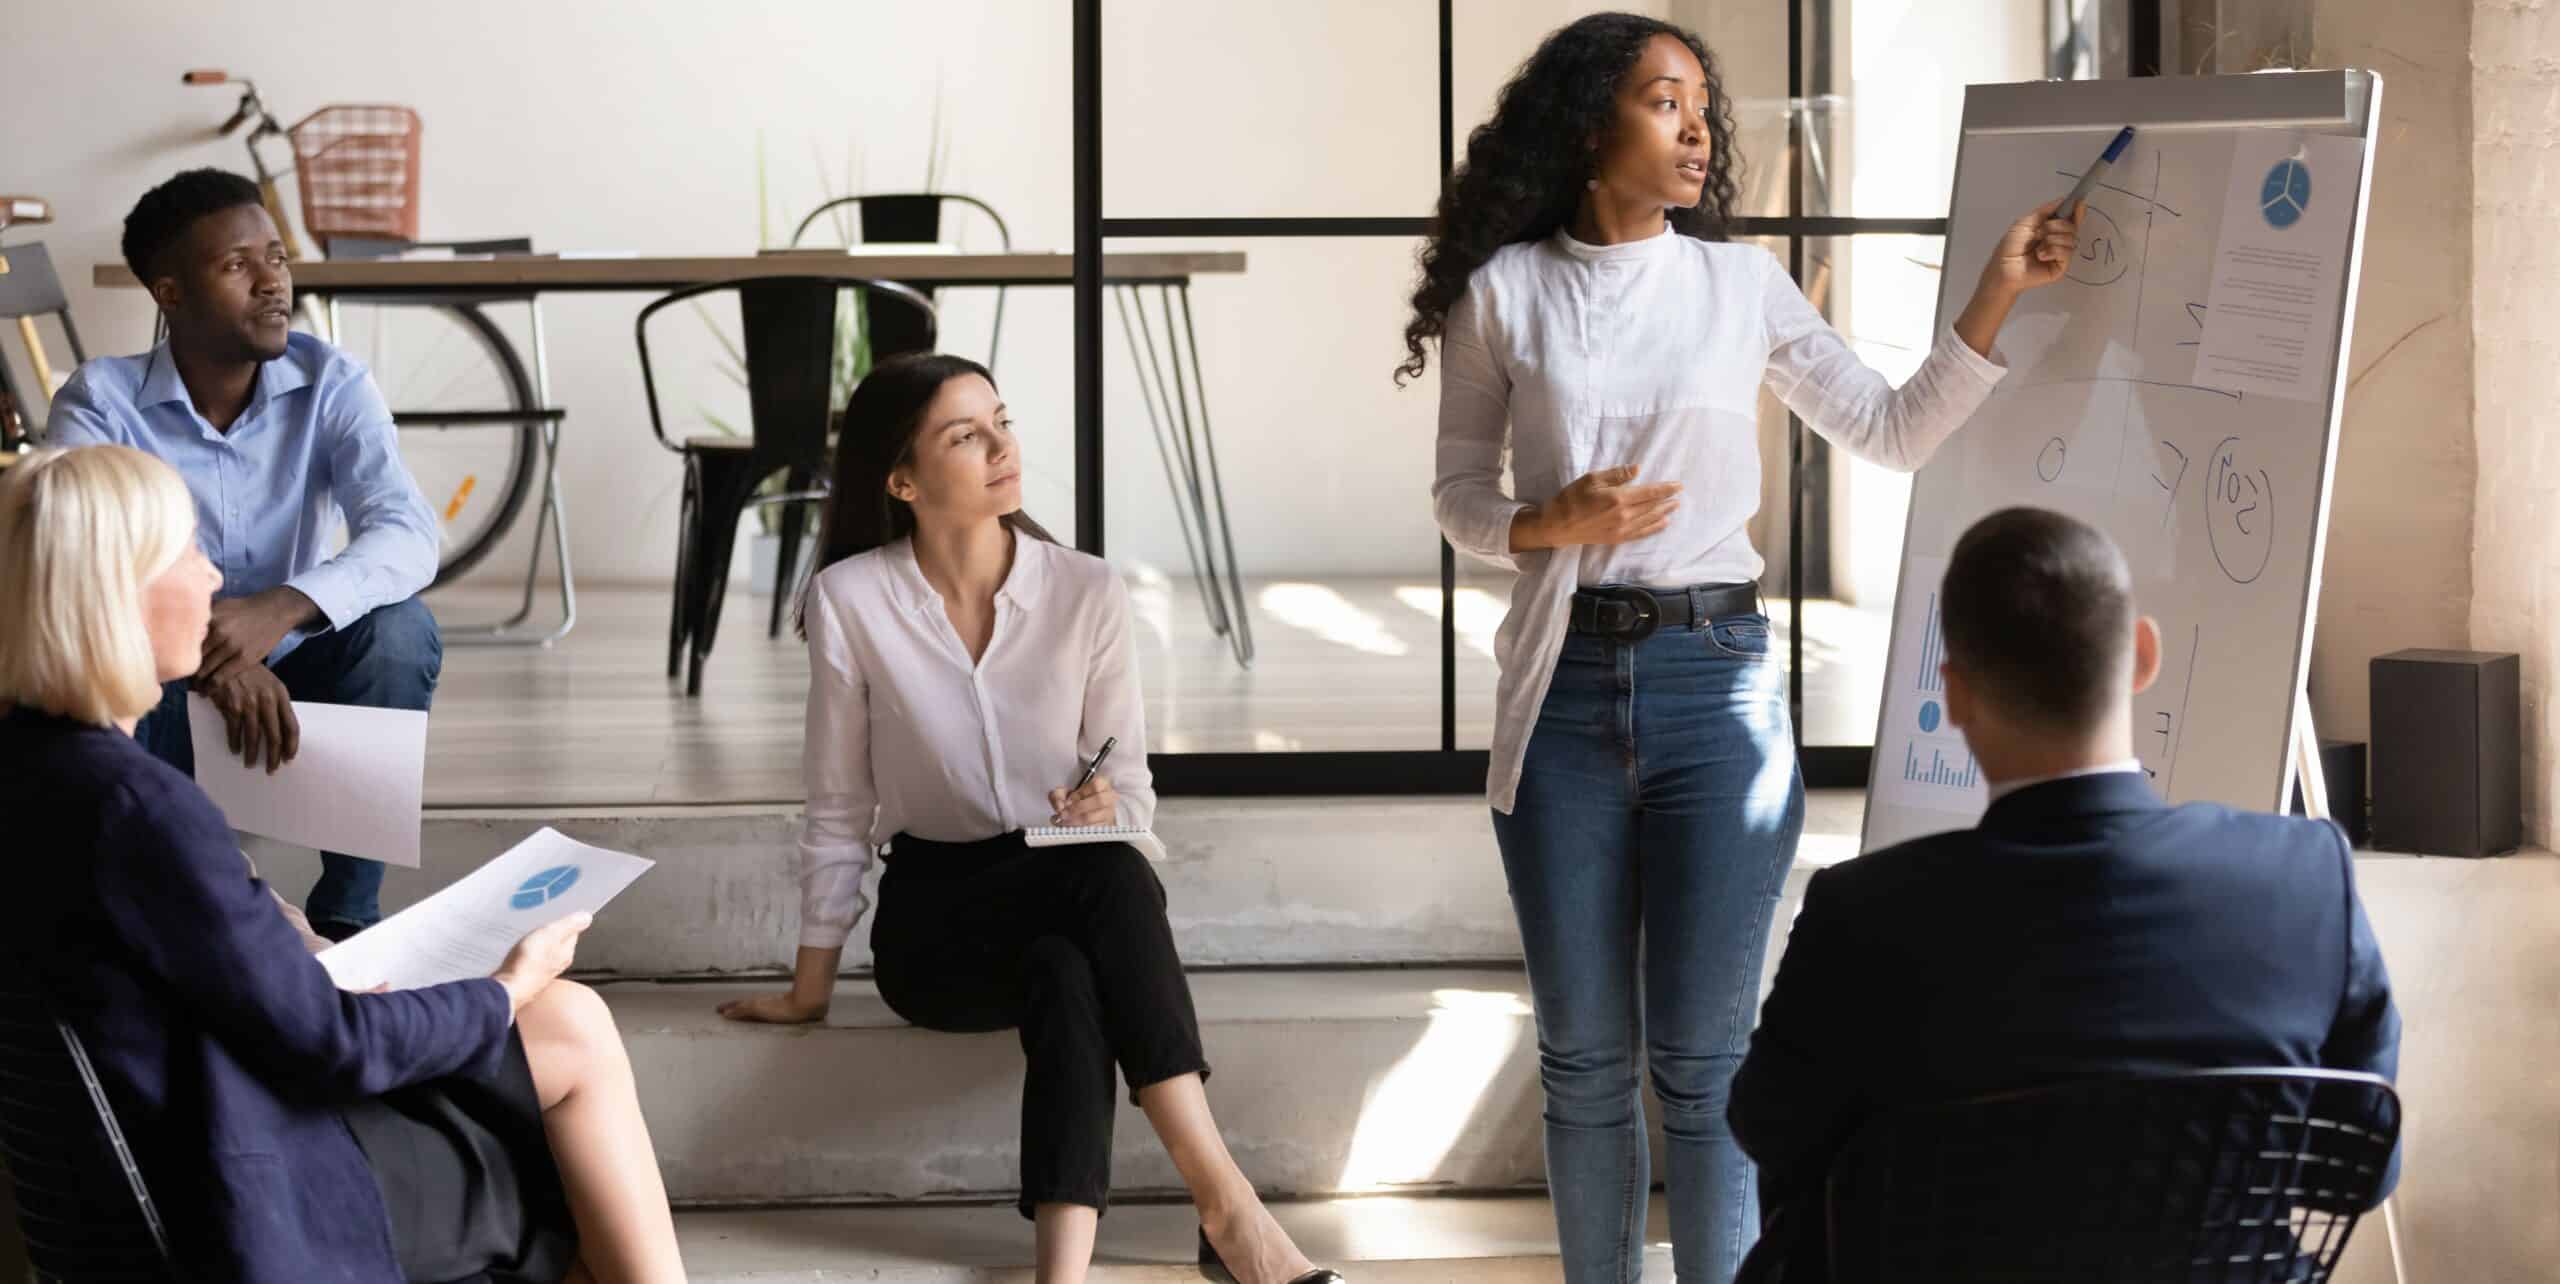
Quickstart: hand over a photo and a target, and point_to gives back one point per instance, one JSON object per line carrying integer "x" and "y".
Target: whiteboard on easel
{"x": 2180, "y": 389}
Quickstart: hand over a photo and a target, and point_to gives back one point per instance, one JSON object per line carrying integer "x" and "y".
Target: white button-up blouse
{"x": 906, "y": 735}
{"x": 1581, "y": 357}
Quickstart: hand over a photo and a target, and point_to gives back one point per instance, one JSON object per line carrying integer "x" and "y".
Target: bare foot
{"x": 1254, "y": 1247}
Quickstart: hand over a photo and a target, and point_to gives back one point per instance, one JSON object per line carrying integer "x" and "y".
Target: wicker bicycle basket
{"x": 358, "y": 166}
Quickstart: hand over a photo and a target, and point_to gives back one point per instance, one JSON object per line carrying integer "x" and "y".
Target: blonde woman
{"x": 289, "y": 1131}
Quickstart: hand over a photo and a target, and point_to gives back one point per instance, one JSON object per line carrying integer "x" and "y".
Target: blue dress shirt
{"x": 315, "y": 442}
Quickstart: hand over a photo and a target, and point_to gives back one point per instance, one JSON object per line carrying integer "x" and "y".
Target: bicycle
{"x": 15, "y": 438}
{"x": 442, "y": 364}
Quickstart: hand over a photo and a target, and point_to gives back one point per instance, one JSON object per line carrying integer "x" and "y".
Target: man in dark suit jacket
{"x": 2084, "y": 927}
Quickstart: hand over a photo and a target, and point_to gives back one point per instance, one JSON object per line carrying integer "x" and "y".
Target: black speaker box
{"x": 2447, "y": 753}
{"x": 2342, "y": 769}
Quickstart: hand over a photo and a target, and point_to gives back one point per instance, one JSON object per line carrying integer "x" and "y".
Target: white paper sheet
{"x": 1148, "y": 844}
{"x": 355, "y": 786}
{"x": 1922, "y": 760}
{"x": 2271, "y": 313}
{"x": 466, "y": 930}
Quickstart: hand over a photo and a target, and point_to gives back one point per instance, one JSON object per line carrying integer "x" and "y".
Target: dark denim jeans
{"x": 390, "y": 659}
{"x": 1658, "y": 811}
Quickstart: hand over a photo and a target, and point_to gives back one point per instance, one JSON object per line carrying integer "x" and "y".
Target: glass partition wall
{"x": 1243, "y": 456}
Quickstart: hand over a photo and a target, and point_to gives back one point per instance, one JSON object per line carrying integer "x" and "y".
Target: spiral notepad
{"x": 1070, "y": 835}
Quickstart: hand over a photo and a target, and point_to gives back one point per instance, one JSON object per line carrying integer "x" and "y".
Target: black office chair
{"x": 911, "y": 216}
{"x": 83, "y": 1209}
{"x": 789, "y": 324}
{"x": 2219, "y": 1176}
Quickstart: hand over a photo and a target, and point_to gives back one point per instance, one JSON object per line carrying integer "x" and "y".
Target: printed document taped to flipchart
{"x": 355, "y": 785}
{"x": 466, "y": 930}
{"x": 2271, "y": 312}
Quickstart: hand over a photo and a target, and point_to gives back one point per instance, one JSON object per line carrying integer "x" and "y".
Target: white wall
{"x": 2398, "y": 570}
{"x": 584, "y": 123}
{"x": 635, "y": 126}
{"x": 2515, "y": 314}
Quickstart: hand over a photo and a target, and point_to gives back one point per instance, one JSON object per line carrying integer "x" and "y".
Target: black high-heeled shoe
{"x": 1214, "y": 1268}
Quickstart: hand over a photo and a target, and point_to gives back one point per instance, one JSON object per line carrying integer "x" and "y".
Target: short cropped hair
{"x": 2037, "y": 610}
{"x": 82, "y": 531}
{"x": 161, "y": 218}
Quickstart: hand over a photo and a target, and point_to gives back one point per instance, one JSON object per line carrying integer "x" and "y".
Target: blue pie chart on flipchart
{"x": 545, "y": 887}
{"x": 2286, "y": 193}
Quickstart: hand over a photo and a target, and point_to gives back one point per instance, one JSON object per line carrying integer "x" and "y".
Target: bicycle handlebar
{"x": 251, "y": 108}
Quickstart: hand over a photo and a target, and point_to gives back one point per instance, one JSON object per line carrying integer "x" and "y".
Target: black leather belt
{"x": 1627, "y": 613}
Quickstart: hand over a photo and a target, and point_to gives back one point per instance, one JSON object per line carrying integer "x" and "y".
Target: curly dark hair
{"x": 1524, "y": 172}
{"x": 161, "y": 218}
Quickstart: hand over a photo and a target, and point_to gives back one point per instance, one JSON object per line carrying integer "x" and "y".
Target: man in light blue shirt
{"x": 278, "y": 435}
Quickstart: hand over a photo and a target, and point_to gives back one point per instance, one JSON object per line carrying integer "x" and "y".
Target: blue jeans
{"x": 390, "y": 659}
{"x": 1657, "y": 813}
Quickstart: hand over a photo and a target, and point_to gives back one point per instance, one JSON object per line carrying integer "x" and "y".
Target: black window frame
{"x": 1450, "y": 769}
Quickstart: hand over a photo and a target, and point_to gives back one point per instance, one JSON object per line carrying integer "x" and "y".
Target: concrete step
{"x": 1372, "y": 1241}
{"x": 1252, "y": 882}
{"x": 1323, "y": 1082}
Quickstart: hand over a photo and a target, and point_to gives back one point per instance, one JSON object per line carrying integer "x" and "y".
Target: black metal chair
{"x": 30, "y": 289}
{"x": 1176, "y": 397}
{"x": 82, "y": 1205}
{"x": 912, "y": 216}
{"x": 789, "y": 348}
{"x": 2219, "y": 1176}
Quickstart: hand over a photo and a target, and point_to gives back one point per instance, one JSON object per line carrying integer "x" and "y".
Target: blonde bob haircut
{"x": 81, "y": 532}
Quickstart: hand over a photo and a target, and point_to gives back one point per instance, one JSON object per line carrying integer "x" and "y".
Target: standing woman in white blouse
{"x": 1646, "y": 800}
{"x": 964, "y": 669}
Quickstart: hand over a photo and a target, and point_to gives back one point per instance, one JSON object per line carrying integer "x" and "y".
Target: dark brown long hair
{"x": 1523, "y": 175}
{"x": 876, "y": 438}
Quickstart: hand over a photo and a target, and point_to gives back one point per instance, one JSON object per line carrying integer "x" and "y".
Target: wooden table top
{"x": 548, "y": 273}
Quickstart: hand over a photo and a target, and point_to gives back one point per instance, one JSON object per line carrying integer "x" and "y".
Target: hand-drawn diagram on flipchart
{"x": 2201, "y": 444}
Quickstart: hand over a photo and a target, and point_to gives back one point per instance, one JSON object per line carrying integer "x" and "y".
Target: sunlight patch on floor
{"x": 1328, "y": 615}
{"x": 1417, "y": 1110}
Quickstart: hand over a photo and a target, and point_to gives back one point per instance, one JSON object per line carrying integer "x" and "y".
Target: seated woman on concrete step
{"x": 964, "y": 672}
{"x": 288, "y": 1131}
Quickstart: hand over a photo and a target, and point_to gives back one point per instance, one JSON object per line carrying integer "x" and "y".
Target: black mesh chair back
{"x": 29, "y": 290}
{"x": 2206, "y": 1177}
{"x": 82, "y": 1206}
{"x": 789, "y": 345}
{"x": 913, "y": 217}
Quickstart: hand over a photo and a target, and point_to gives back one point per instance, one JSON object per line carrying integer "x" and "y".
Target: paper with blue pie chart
{"x": 544, "y": 888}
{"x": 465, "y": 930}
{"x": 2286, "y": 193}
{"x": 2269, "y": 323}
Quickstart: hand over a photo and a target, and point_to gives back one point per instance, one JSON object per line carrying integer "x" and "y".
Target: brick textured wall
{"x": 2515, "y": 319}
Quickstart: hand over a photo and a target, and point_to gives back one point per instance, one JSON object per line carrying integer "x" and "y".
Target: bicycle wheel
{"x": 451, "y": 357}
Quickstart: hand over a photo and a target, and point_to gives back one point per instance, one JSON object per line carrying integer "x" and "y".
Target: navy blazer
{"x": 224, "y": 1047}
{"x": 2084, "y": 928}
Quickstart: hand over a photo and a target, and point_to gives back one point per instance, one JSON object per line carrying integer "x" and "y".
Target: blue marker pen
{"x": 2089, "y": 181}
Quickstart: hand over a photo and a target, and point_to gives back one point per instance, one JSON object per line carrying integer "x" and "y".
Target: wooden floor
{"x": 1341, "y": 664}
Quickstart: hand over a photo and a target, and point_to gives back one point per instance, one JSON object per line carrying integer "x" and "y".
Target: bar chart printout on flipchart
{"x": 2179, "y": 389}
